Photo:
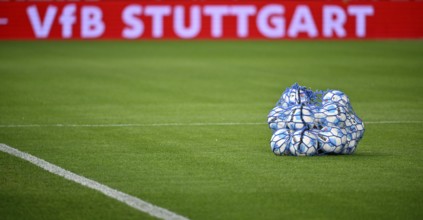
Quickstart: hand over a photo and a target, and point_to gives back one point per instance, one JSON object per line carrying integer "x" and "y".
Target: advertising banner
{"x": 210, "y": 20}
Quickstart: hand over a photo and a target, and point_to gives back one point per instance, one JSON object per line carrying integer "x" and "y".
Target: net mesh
{"x": 301, "y": 110}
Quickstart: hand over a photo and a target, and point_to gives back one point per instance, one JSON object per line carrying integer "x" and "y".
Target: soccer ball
{"x": 303, "y": 143}
{"x": 301, "y": 116}
{"x": 319, "y": 116}
{"x": 350, "y": 146}
{"x": 295, "y": 95}
{"x": 280, "y": 142}
{"x": 282, "y": 104}
{"x": 333, "y": 115}
{"x": 355, "y": 132}
{"x": 273, "y": 115}
{"x": 276, "y": 118}
{"x": 335, "y": 97}
{"x": 355, "y": 126}
{"x": 332, "y": 139}
{"x": 278, "y": 124}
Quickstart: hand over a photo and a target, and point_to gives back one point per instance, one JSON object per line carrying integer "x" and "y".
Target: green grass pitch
{"x": 206, "y": 171}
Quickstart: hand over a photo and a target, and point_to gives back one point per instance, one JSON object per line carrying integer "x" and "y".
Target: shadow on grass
{"x": 342, "y": 156}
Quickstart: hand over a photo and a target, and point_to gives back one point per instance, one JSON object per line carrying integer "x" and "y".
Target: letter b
{"x": 92, "y": 25}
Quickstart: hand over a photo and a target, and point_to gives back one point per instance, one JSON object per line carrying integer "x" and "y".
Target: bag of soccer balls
{"x": 307, "y": 123}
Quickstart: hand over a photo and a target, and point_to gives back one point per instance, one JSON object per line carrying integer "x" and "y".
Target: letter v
{"x": 41, "y": 29}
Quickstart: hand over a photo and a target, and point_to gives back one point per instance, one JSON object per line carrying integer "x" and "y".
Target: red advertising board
{"x": 210, "y": 20}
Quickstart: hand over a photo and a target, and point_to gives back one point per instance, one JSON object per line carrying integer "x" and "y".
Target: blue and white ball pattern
{"x": 350, "y": 146}
{"x": 333, "y": 115}
{"x": 335, "y": 97}
{"x": 355, "y": 132}
{"x": 300, "y": 117}
{"x": 307, "y": 123}
{"x": 332, "y": 139}
{"x": 273, "y": 116}
{"x": 280, "y": 142}
{"x": 295, "y": 96}
{"x": 355, "y": 125}
{"x": 277, "y": 118}
{"x": 304, "y": 143}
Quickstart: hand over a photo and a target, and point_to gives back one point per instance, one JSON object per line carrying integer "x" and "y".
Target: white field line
{"x": 177, "y": 124}
{"x": 131, "y": 201}
{"x": 134, "y": 125}
{"x": 394, "y": 122}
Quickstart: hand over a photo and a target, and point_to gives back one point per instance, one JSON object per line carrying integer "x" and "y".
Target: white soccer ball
{"x": 295, "y": 95}
{"x": 277, "y": 125}
{"x": 277, "y": 118}
{"x": 332, "y": 139}
{"x": 273, "y": 115}
{"x": 333, "y": 115}
{"x": 335, "y": 97}
{"x": 281, "y": 103}
{"x": 319, "y": 116}
{"x": 355, "y": 131}
{"x": 355, "y": 125}
{"x": 280, "y": 142}
{"x": 350, "y": 146}
{"x": 301, "y": 116}
{"x": 304, "y": 143}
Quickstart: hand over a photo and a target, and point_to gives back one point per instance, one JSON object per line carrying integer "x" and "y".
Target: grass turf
{"x": 206, "y": 172}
